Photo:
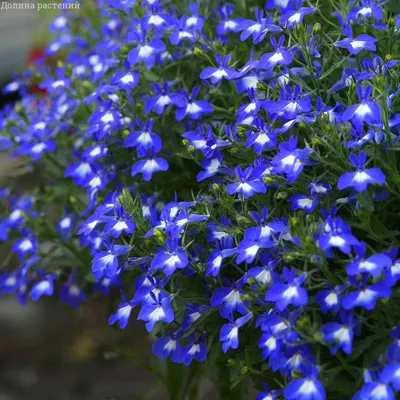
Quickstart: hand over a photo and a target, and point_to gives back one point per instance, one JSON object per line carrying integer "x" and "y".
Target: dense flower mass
{"x": 234, "y": 168}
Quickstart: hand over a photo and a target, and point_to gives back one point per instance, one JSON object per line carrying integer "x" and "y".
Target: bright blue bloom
{"x": 223, "y": 249}
{"x": 355, "y": 45}
{"x": 216, "y": 74}
{"x": 193, "y": 109}
{"x": 181, "y": 31}
{"x": 281, "y": 55}
{"x": 193, "y": 313}
{"x": 230, "y": 332}
{"x": 158, "y": 309}
{"x": 195, "y": 21}
{"x": 367, "y": 110}
{"x": 123, "y": 313}
{"x": 163, "y": 99}
{"x": 369, "y": 9}
{"x": 366, "y": 295}
{"x": 196, "y": 349}
{"x": 247, "y": 184}
{"x": 290, "y": 104}
{"x": 362, "y": 177}
{"x": 169, "y": 346}
{"x": 26, "y": 245}
{"x": 373, "y": 265}
{"x": 337, "y": 234}
{"x": 252, "y": 242}
{"x": 226, "y": 24}
{"x": 146, "y": 51}
{"x": 125, "y": 78}
{"x": 329, "y": 299}
{"x": 156, "y": 18}
{"x": 148, "y": 166}
{"x": 263, "y": 139}
{"x": 393, "y": 351}
{"x": 341, "y": 334}
{"x": 302, "y": 202}
{"x": 170, "y": 258}
{"x": 295, "y": 16}
{"x": 119, "y": 223}
{"x": 144, "y": 139}
{"x": 44, "y": 287}
{"x": 106, "y": 261}
{"x": 284, "y": 294}
{"x": 229, "y": 300}
{"x": 291, "y": 160}
{"x": 307, "y": 388}
{"x": 263, "y": 275}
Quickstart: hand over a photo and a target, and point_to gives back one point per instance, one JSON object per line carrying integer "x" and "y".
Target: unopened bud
{"x": 317, "y": 27}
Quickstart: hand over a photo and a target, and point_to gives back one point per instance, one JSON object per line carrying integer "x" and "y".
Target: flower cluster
{"x": 234, "y": 168}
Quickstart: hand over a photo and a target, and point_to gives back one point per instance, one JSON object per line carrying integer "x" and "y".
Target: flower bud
{"x": 315, "y": 141}
{"x": 215, "y": 187}
{"x": 281, "y": 195}
{"x": 245, "y": 370}
{"x": 316, "y": 28}
{"x": 191, "y": 148}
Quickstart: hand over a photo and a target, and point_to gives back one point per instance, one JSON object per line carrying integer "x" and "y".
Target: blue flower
{"x": 149, "y": 165}
{"x": 363, "y": 177}
{"x": 144, "y": 140}
{"x": 355, "y": 45}
{"x": 26, "y": 245}
{"x": 295, "y": 16}
{"x": 329, "y": 299}
{"x": 44, "y": 287}
{"x": 281, "y": 55}
{"x": 193, "y": 313}
{"x": 263, "y": 139}
{"x": 373, "y": 265}
{"x": 216, "y": 74}
{"x": 284, "y": 294}
{"x": 163, "y": 99}
{"x": 247, "y": 184}
{"x": 196, "y": 349}
{"x": 366, "y": 295}
{"x": 119, "y": 223}
{"x": 106, "y": 261}
{"x": 123, "y": 313}
{"x": 146, "y": 51}
{"x": 170, "y": 258}
{"x": 193, "y": 109}
{"x": 181, "y": 31}
{"x": 341, "y": 334}
{"x": 307, "y": 388}
{"x": 229, "y": 334}
{"x": 158, "y": 309}
{"x": 71, "y": 293}
{"x": 223, "y": 249}
{"x": 302, "y": 202}
{"x": 125, "y": 78}
{"x": 252, "y": 242}
{"x": 369, "y": 9}
{"x": 290, "y": 160}
{"x": 367, "y": 111}
{"x": 229, "y": 300}
{"x": 337, "y": 234}
{"x": 169, "y": 346}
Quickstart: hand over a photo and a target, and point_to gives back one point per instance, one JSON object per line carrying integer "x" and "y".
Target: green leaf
{"x": 393, "y": 5}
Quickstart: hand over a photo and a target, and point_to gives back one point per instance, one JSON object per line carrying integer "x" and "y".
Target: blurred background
{"x": 47, "y": 350}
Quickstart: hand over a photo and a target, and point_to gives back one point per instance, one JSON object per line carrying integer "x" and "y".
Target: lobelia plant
{"x": 234, "y": 168}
